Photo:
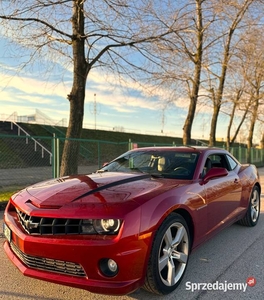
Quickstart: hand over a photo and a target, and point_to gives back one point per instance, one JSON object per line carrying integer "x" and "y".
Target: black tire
{"x": 168, "y": 253}
{"x": 253, "y": 211}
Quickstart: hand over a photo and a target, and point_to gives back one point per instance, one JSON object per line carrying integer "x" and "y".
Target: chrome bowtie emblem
{"x": 30, "y": 224}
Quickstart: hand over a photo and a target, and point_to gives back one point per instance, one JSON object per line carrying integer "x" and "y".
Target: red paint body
{"x": 141, "y": 202}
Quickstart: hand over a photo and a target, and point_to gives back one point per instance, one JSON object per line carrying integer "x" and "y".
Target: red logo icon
{"x": 251, "y": 281}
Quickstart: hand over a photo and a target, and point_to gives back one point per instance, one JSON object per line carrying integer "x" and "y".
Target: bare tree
{"x": 84, "y": 34}
{"x": 257, "y": 84}
{"x": 251, "y": 60}
{"x": 231, "y": 13}
{"x": 196, "y": 57}
{"x": 182, "y": 56}
{"x": 203, "y": 46}
{"x": 235, "y": 103}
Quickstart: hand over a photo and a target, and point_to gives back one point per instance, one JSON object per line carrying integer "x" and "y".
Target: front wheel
{"x": 252, "y": 215}
{"x": 169, "y": 256}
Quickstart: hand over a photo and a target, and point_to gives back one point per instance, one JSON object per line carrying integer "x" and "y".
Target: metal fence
{"x": 26, "y": 160}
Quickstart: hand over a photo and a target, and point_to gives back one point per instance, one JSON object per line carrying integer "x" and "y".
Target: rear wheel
{"x": 169, "y": 256}
{"x": 252, "y": 215}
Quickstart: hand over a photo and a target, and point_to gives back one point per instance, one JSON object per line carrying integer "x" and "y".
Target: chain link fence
{"x": 26, "y": 159}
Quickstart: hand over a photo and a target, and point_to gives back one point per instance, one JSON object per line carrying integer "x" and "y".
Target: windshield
{"x": 169, "y": 164}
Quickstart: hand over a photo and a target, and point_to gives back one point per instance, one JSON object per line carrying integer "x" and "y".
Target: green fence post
{"x": 240, "y": 154}
{"x": 55, "y": 156}
{"x": 252, "y": 154}
{"x": 129, "y": 144}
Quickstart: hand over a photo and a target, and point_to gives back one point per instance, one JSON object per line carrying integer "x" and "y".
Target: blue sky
{"x": 127, "y": 107}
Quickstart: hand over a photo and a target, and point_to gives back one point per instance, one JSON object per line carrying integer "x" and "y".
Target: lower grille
{"x": 47, "y": 264}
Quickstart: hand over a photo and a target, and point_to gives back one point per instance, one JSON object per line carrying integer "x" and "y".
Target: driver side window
{"x": 216, "y": 161}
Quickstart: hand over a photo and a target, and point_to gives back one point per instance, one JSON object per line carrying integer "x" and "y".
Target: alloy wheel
{"x": 174, "y": 251}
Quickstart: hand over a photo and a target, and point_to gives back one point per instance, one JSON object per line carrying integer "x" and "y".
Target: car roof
{"x": 181, "y": 148}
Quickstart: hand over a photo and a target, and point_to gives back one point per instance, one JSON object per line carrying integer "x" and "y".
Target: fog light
{"x": 108, "y": 267}
{"x": 112, "y": 265}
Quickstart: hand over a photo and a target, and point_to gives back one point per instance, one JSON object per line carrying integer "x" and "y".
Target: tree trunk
{"x": 240, "y": 124}
{"x": 187, "y": 128}
{"x": 251, "y": 129}
{"x": 219, "y": 95}
{"x": 226, "y": 56}
{"x": 212, "y": 138}
{"x": 69, "y": 163}
{"x": 262, "y": 142}
{"x": 228, "y": 137}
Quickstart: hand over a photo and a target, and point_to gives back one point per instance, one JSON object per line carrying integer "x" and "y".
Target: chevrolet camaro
{"x": 134, "y": 222}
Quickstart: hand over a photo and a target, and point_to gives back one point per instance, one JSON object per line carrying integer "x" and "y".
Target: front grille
{"x": 39, "y": 225}
{"x": 47, "y": 264}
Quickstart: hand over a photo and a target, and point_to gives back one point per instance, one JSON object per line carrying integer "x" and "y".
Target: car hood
{"x": 104, "y": 188}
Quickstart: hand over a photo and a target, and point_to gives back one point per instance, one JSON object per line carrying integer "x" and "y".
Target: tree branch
{"x": 38, "y": 21}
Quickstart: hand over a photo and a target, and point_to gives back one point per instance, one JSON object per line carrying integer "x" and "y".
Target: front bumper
{"x": 94, "y": 286}
{"x": 74, "y": 260}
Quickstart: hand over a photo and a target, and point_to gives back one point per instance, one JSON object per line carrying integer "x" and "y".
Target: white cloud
{"x": 30, "y": 86}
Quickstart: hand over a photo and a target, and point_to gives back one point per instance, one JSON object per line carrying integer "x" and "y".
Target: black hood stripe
{"x": 106, "y": 186}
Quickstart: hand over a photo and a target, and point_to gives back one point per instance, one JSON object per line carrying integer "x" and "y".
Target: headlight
{"x": 110, "y": 226}
{"x": 100, "y": 226}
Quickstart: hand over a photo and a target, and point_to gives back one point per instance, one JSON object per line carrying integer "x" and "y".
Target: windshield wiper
{"x": 101, "y": 171}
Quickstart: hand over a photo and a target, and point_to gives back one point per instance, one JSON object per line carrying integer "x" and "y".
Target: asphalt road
{"x": 229, "y": 261}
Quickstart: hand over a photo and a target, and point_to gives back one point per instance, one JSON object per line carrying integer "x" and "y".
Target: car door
{"x": 223, "y": 195}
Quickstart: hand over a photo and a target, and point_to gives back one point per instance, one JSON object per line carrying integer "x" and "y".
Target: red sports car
{"x": 131, "y": 224}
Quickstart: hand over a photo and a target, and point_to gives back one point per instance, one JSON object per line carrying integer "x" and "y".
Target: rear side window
{"x": 231, "y": 162}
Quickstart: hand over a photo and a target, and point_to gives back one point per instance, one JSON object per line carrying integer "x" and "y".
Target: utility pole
{"x": 95, "y": 111}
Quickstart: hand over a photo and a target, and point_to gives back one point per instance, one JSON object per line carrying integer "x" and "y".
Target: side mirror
{"x": 214, "y": 173}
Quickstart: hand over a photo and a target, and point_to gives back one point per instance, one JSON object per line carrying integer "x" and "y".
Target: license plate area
{"x": 7, "y": 232}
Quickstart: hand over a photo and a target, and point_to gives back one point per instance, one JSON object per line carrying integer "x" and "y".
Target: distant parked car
{"x": 134, "y": 222}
